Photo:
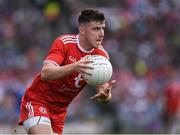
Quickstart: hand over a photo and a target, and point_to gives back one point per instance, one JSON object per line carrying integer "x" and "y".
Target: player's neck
{"x": 83, "y": 43}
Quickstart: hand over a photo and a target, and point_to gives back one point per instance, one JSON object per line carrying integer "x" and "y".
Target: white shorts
{"x": 33, "y": 121}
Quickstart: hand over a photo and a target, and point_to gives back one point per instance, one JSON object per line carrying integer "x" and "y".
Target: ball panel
{"x": 102, "y": 71}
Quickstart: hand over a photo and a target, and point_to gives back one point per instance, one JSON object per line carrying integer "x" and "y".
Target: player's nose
{"x": 101, "y": 33}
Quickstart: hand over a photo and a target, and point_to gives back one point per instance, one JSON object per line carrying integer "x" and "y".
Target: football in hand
{"x": 102, "y": 71}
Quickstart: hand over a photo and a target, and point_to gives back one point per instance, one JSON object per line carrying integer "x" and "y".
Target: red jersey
{"x": 58, "y": 94}
{"x": 172, "y": 94}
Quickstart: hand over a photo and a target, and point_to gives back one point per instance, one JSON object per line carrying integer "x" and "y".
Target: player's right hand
{"x": 82, "y": 66}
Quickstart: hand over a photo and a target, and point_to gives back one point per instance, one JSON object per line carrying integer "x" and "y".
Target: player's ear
{"x": 81, "y": 29}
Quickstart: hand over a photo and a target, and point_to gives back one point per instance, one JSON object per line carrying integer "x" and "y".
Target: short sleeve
{"x": 56, "y": 53}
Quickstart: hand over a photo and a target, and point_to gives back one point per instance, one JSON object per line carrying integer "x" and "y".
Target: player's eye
{"x": 96, "y": 28}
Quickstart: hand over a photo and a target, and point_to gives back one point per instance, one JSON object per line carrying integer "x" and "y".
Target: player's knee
{"x": 40, "y": 129}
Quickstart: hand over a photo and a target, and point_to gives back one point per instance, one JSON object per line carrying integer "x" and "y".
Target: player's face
{"x": 94, "y": 33}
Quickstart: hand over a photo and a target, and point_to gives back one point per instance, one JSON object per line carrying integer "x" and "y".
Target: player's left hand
{"x": 104, "y": 92}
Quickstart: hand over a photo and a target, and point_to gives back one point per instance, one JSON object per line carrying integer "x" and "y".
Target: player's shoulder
{"x": 101, "y": 51}
{"x": 68, "y": 38}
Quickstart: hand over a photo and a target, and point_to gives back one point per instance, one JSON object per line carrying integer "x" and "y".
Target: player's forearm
{"x": 54, "y": 73}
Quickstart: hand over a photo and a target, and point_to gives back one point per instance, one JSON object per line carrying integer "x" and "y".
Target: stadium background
{"x": 142, "y": 38}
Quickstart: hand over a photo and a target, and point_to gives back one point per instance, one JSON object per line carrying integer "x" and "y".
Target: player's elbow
{"x": 45, "y": 74}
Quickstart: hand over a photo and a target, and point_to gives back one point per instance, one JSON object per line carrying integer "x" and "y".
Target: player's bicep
{"x": 47, "y": 69}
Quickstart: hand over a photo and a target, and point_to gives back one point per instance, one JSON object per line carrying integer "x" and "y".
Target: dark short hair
{"x": 89, "y": 15}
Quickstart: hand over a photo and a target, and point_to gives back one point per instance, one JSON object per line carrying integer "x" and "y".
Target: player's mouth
{"x": 99, "y": 40}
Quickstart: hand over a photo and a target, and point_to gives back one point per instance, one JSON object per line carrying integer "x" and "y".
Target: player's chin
{"x": 97, "y": 45}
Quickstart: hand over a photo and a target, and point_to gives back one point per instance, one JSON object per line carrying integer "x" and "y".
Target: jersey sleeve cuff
{"x": 50, "y": 61}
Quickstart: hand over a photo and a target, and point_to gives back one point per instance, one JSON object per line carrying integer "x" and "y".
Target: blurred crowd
{"x": 143, "y": 41}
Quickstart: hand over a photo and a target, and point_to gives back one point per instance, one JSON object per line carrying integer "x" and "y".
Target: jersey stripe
{"x": 74, "y": 39}
{"x": 68, "y": 39}
{"x": 30, "y": 109}
{"x": 70, "y": 42}
{"x": 67, "y": 36}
